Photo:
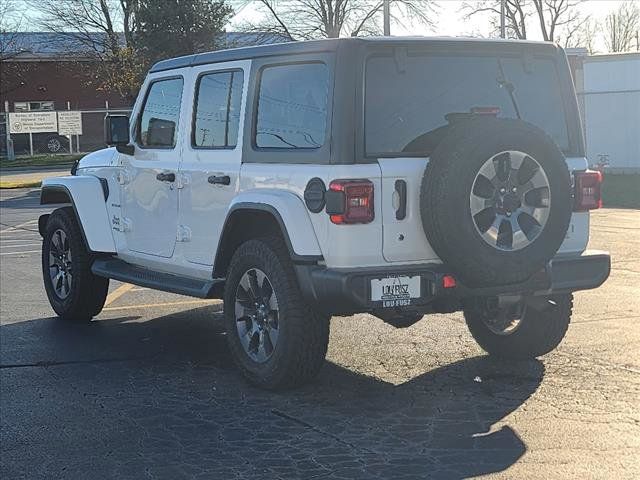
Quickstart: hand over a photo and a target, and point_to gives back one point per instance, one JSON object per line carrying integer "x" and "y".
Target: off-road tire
{"x": 88, "y": 292}
{"x": 446, "y": 215}
{"x": 304, "y": 335}
{"x": 539, "y": 333}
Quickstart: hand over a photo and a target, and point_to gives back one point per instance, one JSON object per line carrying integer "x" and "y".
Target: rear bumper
{"x": 347, "y": 291}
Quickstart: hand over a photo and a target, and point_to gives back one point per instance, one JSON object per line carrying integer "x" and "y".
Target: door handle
{"x": 166, "y": 177}
{"x": 219, "y": 180}
{"x": 401, "y": 190}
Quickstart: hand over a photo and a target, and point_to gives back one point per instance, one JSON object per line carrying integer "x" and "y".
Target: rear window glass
{"x": 411, "y": 100}
{"x": 292, "y": 106}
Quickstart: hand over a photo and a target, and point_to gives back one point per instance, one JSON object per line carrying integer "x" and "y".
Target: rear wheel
{"x": 521, "y": 330}
{"x": 275, "y": 338}
{"x": 74, "y": 292}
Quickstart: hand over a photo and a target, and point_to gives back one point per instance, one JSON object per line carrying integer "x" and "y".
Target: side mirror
{"x": 116, "y": 133}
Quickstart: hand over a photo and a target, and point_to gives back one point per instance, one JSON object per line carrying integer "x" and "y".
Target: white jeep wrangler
{"x": 395, "y": 176}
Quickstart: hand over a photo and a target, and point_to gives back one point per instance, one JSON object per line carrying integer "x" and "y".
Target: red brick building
{"x": 53, "y": 71}
{"x": 45, "y": 67}
{"x": 45, "y": 71}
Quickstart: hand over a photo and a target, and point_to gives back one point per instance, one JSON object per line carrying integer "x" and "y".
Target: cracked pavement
{"x": 148, "y": 389}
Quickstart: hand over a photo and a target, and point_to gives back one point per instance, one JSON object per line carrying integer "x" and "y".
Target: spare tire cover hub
{"x": 510, "y": 200}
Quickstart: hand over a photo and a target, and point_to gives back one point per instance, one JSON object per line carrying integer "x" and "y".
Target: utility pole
{"x": 502, "y": 13}
{"x": 386, "y": 13}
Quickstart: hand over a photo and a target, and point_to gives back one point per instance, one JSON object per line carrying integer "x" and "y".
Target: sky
{"x": 450, "y": 21}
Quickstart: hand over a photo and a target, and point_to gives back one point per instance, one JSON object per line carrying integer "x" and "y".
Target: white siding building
{"x": 609, "y": 96}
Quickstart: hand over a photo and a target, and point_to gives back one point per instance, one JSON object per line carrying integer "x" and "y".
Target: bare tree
{"x": 621, "y": 28}
{"x": 10, "y": 21}
{"x": 556, "y": 14}
{"x": 13, "y": 74}
{"x": 103, "y": 27}
{"x": 516, "y": 15}
{"x": 102, "y": 31}
{"x": 555, "y": 18}
{"x": 307, "y": 19}
{"x": 581, "y": 34}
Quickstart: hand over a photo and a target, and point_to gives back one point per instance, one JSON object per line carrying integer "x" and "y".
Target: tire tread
{"x": 88, "y": 299}
{"x": 540, "y": 333}
{"x": 309, "y": 329}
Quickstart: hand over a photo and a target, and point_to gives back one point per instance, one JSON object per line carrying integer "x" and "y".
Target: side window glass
{"x": 217, "y": 110}
{"x": 160, "y": 114}
{"x": 292, "y": 106}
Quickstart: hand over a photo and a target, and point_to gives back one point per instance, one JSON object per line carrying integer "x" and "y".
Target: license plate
{"x": 395, "y": 291}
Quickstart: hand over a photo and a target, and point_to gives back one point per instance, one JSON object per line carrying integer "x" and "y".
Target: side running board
{"x": 125, "y": 272}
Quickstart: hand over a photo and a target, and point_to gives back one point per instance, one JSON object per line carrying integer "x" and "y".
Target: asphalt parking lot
{"x": 148, "y": 390}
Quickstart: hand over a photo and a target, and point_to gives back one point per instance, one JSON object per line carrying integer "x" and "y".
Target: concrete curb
{"x": 18, "y": 184}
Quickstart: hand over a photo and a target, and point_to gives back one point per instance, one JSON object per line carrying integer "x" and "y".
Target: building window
{"x": 292, "y": 106}
{"x": 33, "y": 106}
{"x": 217, "y": 110}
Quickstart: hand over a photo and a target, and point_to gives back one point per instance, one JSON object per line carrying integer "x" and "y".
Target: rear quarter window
{"x": 292, "y": 106}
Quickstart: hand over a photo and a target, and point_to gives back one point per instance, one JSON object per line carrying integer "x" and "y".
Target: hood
{"x": 100, "y": 158}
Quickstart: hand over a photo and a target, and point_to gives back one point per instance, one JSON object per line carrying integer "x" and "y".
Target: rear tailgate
{"x": 430, "y": 90}
{"x": 404, "y": 239}
{"x": 403, "y": 236}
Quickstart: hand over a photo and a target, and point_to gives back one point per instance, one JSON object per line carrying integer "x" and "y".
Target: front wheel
{"x": 522, "y": 330}
{"x": 74, "y": 292}
{"x": 275, "y": 338}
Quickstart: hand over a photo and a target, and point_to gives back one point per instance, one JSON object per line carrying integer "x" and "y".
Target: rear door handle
{"x": 401, "y": 190}
{"x": 219, "y": 180}
{"x": 166, "y": 177}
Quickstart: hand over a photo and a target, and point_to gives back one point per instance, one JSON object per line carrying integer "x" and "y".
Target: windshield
{"x": 411, "y": 100}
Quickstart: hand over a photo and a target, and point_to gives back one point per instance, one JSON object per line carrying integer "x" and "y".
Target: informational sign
{"x": 33, "y": 122}
{"x": 69, "y": 123}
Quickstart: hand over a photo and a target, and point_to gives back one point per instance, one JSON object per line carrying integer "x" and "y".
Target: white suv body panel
{"x": 281, "y": 187}
{"x": 149, "y": 206}
{"x": 88, "y": 200}
{"x": 405, "y": 241}
{"x": 340, "y": 245}
{"x": 203, "y": 206}
{"x": 291, "y": 209}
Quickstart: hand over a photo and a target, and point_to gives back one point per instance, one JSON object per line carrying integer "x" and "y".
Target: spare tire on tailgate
{"x": 496, "y": 200}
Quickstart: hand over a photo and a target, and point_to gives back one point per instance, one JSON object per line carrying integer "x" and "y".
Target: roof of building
{"x": 53, "y": 46}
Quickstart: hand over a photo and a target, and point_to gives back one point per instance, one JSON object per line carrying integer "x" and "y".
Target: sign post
{"x": 69, "y": 137}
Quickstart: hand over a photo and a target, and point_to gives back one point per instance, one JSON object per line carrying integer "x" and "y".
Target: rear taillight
{"x": 350, "y": 201}
{"x": 588, "y": 191}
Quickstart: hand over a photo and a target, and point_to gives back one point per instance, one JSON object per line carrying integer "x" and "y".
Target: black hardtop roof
{"x": 317, "y": 46}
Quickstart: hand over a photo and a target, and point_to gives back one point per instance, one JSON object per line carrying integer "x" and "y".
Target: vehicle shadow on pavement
{"x": 28, "y": 199}
{"x": 128, "y": 399}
